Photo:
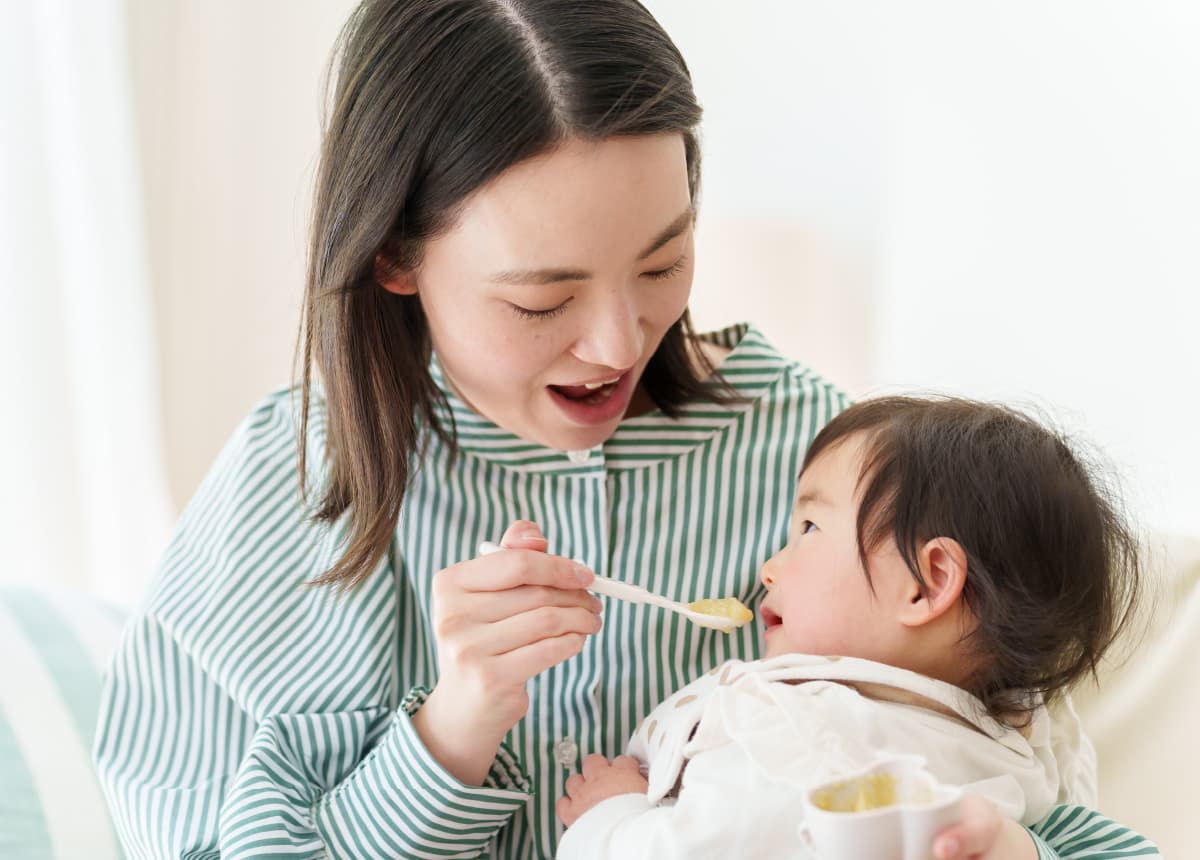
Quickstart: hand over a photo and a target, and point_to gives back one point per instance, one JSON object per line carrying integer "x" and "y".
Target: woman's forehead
{"x": 582, "y": 198}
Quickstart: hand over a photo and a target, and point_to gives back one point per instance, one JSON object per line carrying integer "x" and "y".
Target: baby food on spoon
{"x": 725, "y": 607}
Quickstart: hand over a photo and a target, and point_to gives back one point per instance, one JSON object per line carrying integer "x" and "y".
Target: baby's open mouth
{"x": 769, "y": 617}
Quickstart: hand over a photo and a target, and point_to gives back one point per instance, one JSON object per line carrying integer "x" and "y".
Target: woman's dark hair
{"x": 432, "y": 100}
{"x": 1053, "y": 571}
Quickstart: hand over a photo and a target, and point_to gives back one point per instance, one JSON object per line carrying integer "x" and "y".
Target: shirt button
{"x": 566, "y": 751}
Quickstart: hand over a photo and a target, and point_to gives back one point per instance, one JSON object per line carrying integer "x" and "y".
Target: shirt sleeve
{"x": 1077, "y": 832}
{"x": 246, "y": 714}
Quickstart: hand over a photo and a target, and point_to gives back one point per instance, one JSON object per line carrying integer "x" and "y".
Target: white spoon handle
{"x": 632, "y": 593}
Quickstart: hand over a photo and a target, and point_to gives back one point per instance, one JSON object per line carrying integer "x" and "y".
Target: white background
{"x": 996, "y": 199}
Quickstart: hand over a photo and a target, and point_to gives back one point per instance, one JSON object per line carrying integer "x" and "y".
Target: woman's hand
{"x": 599, "y": 781}
{"x": 498, "y": 621}
{"x": 983, "y": 834}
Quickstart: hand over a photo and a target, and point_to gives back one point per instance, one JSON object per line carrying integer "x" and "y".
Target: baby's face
{"x": 819, "y": 600}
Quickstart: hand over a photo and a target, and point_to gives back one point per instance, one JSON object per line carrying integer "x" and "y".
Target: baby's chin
{"x": 772, "y": 650}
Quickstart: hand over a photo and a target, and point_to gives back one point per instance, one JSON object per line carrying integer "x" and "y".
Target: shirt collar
{"x": 751, "y": 368}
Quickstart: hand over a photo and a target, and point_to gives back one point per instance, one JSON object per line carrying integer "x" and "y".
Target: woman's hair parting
{"x": 431, "y": 100}
{"x": 1053, "y": 570}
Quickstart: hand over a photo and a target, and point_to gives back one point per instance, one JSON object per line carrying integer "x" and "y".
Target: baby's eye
{"x": 806, "y": 526}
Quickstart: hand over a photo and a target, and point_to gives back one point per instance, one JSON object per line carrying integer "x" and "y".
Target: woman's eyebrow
{"x": 539, "y": 277}
{"x": 543, "y": 277}
{"x": 674, "y": 229}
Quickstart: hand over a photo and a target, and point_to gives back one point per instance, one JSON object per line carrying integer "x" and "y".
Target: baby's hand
{"x": 599, "y": 781}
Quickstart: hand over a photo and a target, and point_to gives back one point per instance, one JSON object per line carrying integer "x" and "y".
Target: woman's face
{"x": 551, "y": 292}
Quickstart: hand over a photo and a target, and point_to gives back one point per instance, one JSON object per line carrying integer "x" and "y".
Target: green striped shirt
{"x": 249, "y": 713}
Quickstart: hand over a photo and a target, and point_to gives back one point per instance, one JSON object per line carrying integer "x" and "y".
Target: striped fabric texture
{"x": 53, "y": 647}
{"x": 250, "y": 715}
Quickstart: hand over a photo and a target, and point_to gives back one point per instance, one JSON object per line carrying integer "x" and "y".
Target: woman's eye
{"x": 529, "y": 314}
{"x": 672, "y": 270}
{"x": 807, "y": 526}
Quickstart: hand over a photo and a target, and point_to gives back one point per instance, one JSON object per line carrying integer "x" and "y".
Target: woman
{"x": 496, "y": 311}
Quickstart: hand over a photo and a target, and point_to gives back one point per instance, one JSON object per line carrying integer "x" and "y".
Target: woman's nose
{"x": 613, "y": 337}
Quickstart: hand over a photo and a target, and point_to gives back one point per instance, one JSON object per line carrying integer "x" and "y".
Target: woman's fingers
{"x": 517, "y": 631}
{"x": 523, "y": 663}
{"x": 492, "y": 606}
{"x": 982, "y": 833}
{"x": 515, "y": 567}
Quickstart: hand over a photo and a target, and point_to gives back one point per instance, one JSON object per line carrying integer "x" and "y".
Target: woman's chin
{"x": 567, "y": 437}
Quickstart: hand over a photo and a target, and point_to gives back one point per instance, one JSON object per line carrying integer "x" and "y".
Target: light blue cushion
{"x": 54, "y": 646}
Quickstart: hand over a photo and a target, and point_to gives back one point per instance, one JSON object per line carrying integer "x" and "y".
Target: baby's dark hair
{"x": 1053, "y": 570}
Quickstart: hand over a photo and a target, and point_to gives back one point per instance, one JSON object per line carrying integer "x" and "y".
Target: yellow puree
{"x": 726, "y": 607}
{"x": 870, "y": 792}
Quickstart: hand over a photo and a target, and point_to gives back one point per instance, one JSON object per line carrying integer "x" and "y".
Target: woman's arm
{"x": 188, "y": 773}
{"x": 248, "y": 714}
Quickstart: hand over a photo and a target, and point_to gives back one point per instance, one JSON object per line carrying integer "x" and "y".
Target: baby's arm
{"x": 725, "y": 808}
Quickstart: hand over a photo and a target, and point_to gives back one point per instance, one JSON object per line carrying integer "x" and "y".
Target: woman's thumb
{"x": 524, "y": 534}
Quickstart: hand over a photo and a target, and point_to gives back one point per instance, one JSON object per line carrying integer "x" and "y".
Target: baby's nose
{"x": 766, "y": 575}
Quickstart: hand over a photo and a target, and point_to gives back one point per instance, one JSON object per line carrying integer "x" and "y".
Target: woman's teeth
{"x": 589, "y": 392}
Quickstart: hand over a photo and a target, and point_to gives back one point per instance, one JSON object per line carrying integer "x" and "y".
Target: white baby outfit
{"x": 754, "y": 736}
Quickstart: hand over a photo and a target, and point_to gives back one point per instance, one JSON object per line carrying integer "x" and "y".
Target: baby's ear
{"x": 943, "y": 565}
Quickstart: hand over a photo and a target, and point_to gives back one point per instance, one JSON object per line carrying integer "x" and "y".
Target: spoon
{"x": 636, "y": 594}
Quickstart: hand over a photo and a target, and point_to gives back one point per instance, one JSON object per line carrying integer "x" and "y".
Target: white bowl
{"x": 910, "y": 807}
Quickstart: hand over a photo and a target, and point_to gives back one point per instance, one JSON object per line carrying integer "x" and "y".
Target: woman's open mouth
{"x": 596, "y": 402}
{"x": 591, "y": 394}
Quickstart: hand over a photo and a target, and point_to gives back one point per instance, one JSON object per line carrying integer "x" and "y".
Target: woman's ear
{"x": 402, "y": 282}
{"x": 943, "y": 565}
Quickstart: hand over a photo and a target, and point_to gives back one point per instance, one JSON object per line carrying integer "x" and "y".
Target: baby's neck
{"x": 938, "y": 649}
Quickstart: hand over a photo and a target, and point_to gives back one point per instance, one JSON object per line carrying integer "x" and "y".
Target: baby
{"x": 952, "y": 568}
